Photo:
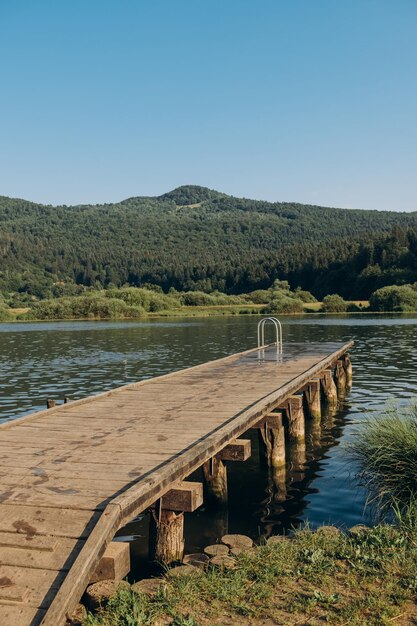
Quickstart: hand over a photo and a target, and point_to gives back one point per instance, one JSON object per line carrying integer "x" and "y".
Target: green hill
{"x": 197, "y": 238}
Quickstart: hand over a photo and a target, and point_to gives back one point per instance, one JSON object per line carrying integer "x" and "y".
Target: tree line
{"x": 194, "y": 239}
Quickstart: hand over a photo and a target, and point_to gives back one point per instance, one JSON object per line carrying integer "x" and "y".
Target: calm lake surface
{"x": 76, "y": 359}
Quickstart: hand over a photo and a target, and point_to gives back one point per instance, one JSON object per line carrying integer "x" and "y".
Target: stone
{"x": 216, "y": 549}
{"x": 359, "y": 529}
{"x": 223, "y": 562}
{"x": 237, "y": 551}
{"x": 197, "y": 559}
{"x": 237, "y": 541}
{"x": 277, "y": 539}
{"x": 148, "y": 586}
{"x": 98, "y": 594}
{"x": 183, "y": 570}
{"x": 328, "y": 531}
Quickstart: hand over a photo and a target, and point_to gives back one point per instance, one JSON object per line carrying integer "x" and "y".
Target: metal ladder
{"x": 278, "y": 331}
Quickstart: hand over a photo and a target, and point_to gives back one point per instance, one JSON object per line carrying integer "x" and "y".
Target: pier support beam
{"x": 215, "y": 476}
{"x": 329, "y": 388}
{"x": 348, "y": 369}
{"x": 312, "y": 399}
{"x": 340, "y": 376}
{"x": 273, "y": 440}
{"x": 295, "y": 415}
{"x": 166, "y": 536}
{"x": 166, "y": 533}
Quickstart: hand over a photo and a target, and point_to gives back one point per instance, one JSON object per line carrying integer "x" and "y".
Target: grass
{"x": 325, "y": 577}
{"x": 385, "y": 449}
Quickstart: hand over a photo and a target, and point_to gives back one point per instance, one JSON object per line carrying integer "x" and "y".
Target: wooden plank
{"x": 34, "y": 521}
{"x": 238, "y": 450}
{"x": 114, "y": 564}
{"x": 185, "y": 497}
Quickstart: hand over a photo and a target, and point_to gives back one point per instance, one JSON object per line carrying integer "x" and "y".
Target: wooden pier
{"x": 72, "y": 475}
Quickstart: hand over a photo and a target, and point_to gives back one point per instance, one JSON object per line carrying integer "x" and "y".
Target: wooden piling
{"x": 348, "y": 370}
{"x": 166, "y": 536}
{"x": 312, "y": 399}
{"x": 329, "y": 388}
{"x": 215, "y": 476}
{"x": 274, "y": 441}
{"x": 295, "y": 417}
{"x": 340, "y": 377}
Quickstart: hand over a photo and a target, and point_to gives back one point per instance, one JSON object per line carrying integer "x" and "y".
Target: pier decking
{"x": 72, "y": 475}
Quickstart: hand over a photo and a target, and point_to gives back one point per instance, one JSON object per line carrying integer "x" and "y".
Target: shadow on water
{"x": 82, "y": 358}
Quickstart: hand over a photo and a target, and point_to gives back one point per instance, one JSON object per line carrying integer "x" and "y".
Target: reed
{"x": 385, "y": 449}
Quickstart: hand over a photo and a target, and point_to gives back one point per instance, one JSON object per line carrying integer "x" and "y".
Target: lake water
{"x": 76, "y": 359}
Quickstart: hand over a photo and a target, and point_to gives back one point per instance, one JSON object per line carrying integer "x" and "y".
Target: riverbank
{"x": 23, "y": 314}
{"x": 364, "y": 577}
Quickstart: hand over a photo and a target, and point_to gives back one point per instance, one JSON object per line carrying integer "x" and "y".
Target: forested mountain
{"x": 197, "y": 238}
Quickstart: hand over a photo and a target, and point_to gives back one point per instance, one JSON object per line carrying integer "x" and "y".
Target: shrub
{"x": 281, "y": 303}
{"x": 90, "y": 307}
{"x": 386, "y": 450}
{"x": 5, "y": 316}
{"x": 397, "y": 298}
{"x": 334, "y": 304}
{"x": 304, "y": 296}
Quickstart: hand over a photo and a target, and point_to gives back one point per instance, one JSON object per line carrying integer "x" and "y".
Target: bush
{"x": 83, "y": 307}
{"x": 395, "y": 298}
{"x": 260, "y": 296}
{"x": 386, "y": 450}
{"x": 304, "y": 296}
{"x": 334, "y": 304}
{"x": 5, "y": 315}
{"x": 282, "y": 303}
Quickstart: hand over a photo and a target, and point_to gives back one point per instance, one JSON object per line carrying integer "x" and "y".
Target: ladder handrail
{"x": 278, "y": 330}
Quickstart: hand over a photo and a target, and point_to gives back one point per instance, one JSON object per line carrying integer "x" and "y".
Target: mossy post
{"x": 340, "y": 377}
{"x": 312, "y": 399}
{"x": 329, "y": 388}
{"x": 348, "y": 370}
{"x": 166, "y": 536}
{"x": 215, "y": 476}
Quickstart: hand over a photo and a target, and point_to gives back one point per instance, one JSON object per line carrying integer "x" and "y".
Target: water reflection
{"x": 80, "y": 358}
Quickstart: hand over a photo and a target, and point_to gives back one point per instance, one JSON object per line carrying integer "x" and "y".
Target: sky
{"x": 286, "y": 100}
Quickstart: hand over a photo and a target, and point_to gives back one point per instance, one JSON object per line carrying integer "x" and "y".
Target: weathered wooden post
{"x": 329, "y": 388}
{"x": 215, "y": 471}
{"x": 50, "y": 403}
{"x": 297, "y": 459}
{"x": 312, "y": 398}
{"x": 279, "y": 479}
{"x": 295, "y": 415}
{"x": 348, "y": 369}
{"x": 271, "y": 429}
{"x": 215, "y": 476}
{"x": 166, "y": 533}
{"x": 340, "y": 377}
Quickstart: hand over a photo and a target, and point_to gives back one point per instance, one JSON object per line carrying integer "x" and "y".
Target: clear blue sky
{"x": 303, "y": 100}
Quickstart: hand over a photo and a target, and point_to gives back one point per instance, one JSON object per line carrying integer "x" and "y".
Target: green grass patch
{"x": 315, "y": 578}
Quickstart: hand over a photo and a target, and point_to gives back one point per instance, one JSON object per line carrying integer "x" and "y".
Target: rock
{"x": 217, "y": 549}
{"x": 328, "y": 531}
{"x": 237, "y": 551}
{"x": 223, "y": 562}
{"x": 196, "y": 559}
{"x": 98, "y": 594}
{"x": 277, "y": 539}
{"x": 183, "y": 570}
{"x": 359, "y": 529}
{"x": 78, "y": 616}
{"x": 237, "y": 541}
{"x": 148, "y": 586}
